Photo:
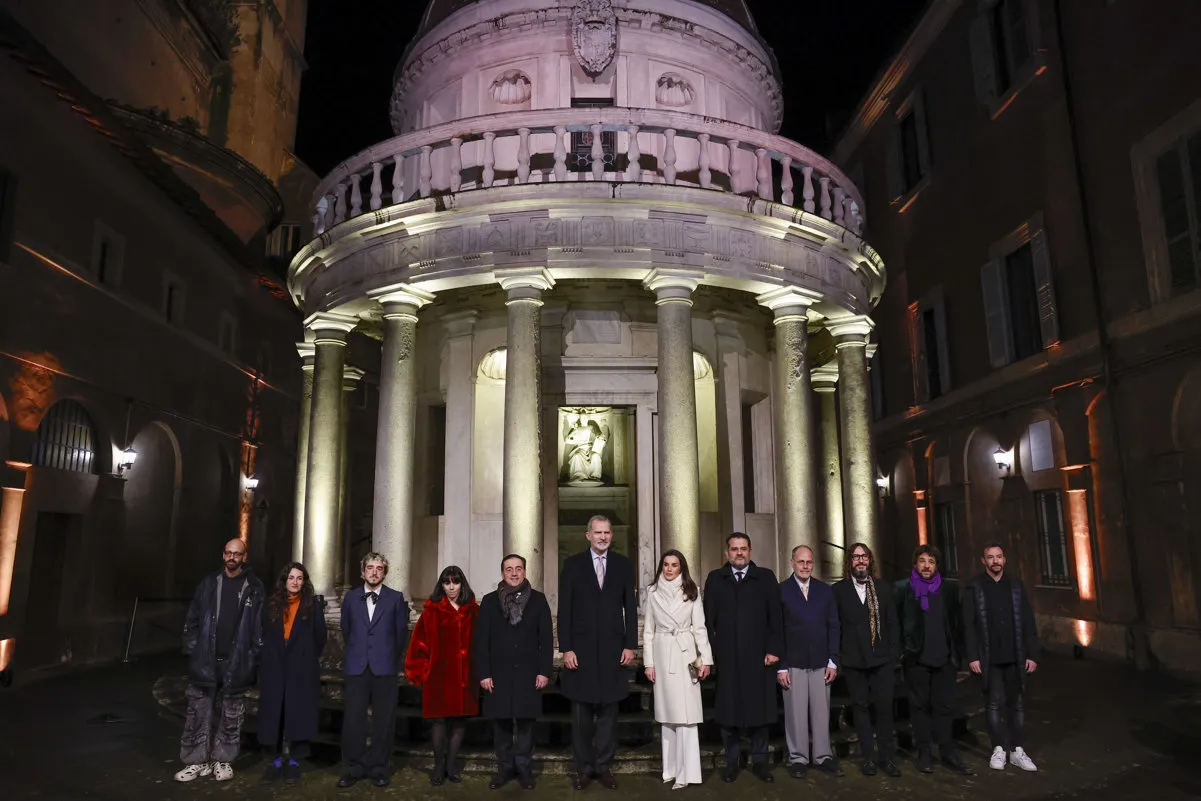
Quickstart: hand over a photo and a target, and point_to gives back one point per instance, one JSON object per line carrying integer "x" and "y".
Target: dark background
{"x": 829, "y": 52}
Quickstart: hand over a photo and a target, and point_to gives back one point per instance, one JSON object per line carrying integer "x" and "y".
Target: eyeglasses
{"x": 233, "y": 553}
{"x": 860, "y": 557}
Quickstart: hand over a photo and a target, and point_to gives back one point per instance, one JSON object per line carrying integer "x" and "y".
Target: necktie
{"x": 738, "y": 576}
{"x": 600, "y": 572}
{"x": 805, "y": 591}
{"x": 373, "y": 597}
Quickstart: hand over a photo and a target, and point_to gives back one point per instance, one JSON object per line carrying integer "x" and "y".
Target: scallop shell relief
{"x": 673, "y": 89}
{"x": 511, "y": 88}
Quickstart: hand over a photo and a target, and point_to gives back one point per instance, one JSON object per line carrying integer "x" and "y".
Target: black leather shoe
{"x": 606, "y": 780}
{"x": 831, "y": 767}
{"x": 580, "y": 781}
{"x": 797, "y": 770}
{"x": 526, "y": 780}
{"x": 348, "y": 780}
{"x": 925, "y": 761}
{"x": 730, "y": 775}
{"x": 762, "y": 771}
{"x": 891, "y": 768}
{"x": 498, "y": 780}
{"x": 868, "y": 768}
{"x": 953, "y": 762}
{"x": 380, "y": 781}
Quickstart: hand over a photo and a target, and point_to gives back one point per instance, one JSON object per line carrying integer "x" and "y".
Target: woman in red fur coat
{"x": 439, "y": 662}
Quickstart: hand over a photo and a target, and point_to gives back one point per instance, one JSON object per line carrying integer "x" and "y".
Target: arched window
{"x": 66, "y": 439}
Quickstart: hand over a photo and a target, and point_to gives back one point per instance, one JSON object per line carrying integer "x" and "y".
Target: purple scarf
{"x": 923, "y": 588}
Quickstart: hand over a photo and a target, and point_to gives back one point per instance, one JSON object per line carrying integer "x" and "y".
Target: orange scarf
{"x": 290, "y": 614}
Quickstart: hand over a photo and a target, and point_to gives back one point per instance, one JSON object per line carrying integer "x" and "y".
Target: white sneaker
{"x": 191, "y": 772}
{"x": 222, "y": 771}
{"x": 1019, "y": 758}
{"x": 997, "y": 760}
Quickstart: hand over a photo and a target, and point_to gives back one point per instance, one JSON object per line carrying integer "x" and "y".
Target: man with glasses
{"x": 222, "y": 636}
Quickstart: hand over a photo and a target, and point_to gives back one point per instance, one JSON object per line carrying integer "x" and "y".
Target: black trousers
{"x": 931, "y": 704}
{"x": 731, "y": 739}
{"x": 379, "y": 693}
{"x": 872, "y": 687}
{"x": 513, "y": 741}
{"x": 1005, "y": 690}
{"x": 592, "y": 743}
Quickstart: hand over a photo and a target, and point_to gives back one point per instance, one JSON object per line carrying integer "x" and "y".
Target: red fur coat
{"x": 439, "y": 660}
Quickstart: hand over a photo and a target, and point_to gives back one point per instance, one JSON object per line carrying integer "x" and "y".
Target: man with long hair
{"x": 869, "y": 645}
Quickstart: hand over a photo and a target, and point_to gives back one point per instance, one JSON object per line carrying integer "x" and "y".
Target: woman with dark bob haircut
{"x": 439, "y": 662}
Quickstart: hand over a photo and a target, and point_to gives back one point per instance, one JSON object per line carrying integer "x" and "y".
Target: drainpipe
{"x": 1137, "y": 636}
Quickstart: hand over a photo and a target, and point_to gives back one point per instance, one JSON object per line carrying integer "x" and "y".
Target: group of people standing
{"x": 494, "y": 656}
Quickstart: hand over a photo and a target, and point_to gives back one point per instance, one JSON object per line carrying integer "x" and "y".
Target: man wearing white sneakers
{"x": 1002, "y": 649}
{"x": 221, "y": 636}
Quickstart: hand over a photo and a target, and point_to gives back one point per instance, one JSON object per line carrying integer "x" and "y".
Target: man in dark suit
{"x": 742, "y": 613}
{"x": 869, "y": 647}
{"x": 598, "y": 632}
{"x": 810, "y": 663}
{"x": 375, "y": 624}
{"x": 931, "y": 643}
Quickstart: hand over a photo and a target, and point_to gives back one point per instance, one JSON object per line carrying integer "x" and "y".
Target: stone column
{"x": 455, "y": 547}
{"x": 330, "y": 331}
{"x": 679, "y": 462}
{"x": 830, "y": 555}
{"x": 792, "y": 408}
{"x": 522, "y": 505}
{"x": 858, "y": 450}
{"x": 307, "y": 352}
{"x": 731, "y": 493}
{"x": 350, "y": 379}
{"x": 393, "y": 515}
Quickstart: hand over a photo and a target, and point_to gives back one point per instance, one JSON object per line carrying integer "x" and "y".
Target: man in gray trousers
{"x": 810, "y": 663}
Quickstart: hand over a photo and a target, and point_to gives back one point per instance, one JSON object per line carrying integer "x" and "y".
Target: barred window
{"x": 66, "y": 439}
{"x": 1052, "y": 544}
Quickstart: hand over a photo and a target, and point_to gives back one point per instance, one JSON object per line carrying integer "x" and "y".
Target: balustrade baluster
{"x": 456, "y": 164}
{"x": 398, "y": 178}
{"x": 706, "y": 175}
{"x": 560, "y": 153}
{"x": 633, "y": 167}
{"x": 598, "y": 152}
{"x": 732, "y": 169}
{"x": 669, "y": 156}
{"x": 426, "y": 175}
{"x": 321, "y": 215}
{"x": 786, "y": 181}
{"x": 377, "y": 186}
{"x": 356, "y": 195}
{"x": 340, "y": 208}
{"x": 523, "y": 155}
{"x": 807, "y": 188}
{"x": 838, "y": 210}
{"x": 489, "y": 159}
{"x": 825, "y": 196}
{"x": 763, "y": 173}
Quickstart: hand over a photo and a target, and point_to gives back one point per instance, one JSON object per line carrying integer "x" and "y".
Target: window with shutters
{"x": 1020, "y": 314}
{"x": 944, "y": 539}
{"x": 1006, "y": 52}
{"x": 929, "y": 351}
{"x": 909, "y": 151}
{"x": 1052, "y": 542}
{"x": 108, "y": 255}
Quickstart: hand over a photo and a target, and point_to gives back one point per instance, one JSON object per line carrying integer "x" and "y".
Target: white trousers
{"x": 681, "y": 753}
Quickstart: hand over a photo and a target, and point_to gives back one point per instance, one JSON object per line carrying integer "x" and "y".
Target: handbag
{"x": 694, "y": 666}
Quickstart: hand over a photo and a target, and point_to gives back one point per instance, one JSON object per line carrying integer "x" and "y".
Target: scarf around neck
{"x": 873, "y": 606}
{"x": 670, "y": 589}
{"x": 924, "y": 588}
{"x": 513, "y": 600}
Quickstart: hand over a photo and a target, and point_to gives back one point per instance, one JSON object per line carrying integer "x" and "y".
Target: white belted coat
{"x": 674, "y": 634}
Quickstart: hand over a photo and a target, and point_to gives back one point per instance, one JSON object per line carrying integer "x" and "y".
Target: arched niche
{"x": 152, "y": 495}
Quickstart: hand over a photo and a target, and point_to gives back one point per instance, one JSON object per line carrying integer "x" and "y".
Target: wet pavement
{"x": 1096, "y": 730}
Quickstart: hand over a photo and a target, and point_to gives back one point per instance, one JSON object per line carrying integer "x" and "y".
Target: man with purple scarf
{"x": 931, "y": 647}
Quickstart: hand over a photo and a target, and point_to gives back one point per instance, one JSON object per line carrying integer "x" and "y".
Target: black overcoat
{"x": 290, "y": 676}
{"x": 597, "y": 624}
{"x": 745, "y": 622}
{"x": 513, "y": 657}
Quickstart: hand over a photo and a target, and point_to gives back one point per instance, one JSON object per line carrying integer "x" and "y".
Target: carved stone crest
{"x": 594, "y": 35}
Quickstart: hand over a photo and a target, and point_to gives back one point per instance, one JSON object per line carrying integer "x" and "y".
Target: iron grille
{"x": 66, "y": 439}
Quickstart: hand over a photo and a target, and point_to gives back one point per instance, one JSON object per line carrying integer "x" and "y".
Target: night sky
{"x": 829, "y": 52}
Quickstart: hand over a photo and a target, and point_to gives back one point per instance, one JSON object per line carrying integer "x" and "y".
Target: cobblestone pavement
{"x": 1097, "y": 731}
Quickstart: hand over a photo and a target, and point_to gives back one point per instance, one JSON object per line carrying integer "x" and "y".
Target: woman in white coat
{"x": 676, "y": 655}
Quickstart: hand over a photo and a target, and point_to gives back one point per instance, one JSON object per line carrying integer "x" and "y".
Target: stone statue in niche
{"x": 586, "y": 433}
{"x": 594, "y": 35}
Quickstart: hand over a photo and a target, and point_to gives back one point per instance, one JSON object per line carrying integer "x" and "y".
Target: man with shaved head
{"x": 221, "y": 636}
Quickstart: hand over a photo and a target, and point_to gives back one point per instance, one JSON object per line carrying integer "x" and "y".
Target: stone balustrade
{"x": 587, "y": 144}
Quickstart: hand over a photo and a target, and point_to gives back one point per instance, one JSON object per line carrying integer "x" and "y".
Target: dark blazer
{"x": 513, "y": 657}
{"x": 811, "y": 628}
{"x": 856, "y": 646}
{"x": 976, "y": 624}
{"x": 200, "y": 634}
{"x": 290, "y": 676}
{"x": 374, "y": 643}
{"x": 913, "y": 628}
{"x": 597, "y": 624}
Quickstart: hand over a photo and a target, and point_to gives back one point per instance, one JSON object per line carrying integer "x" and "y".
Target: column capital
{"x": 851, "y": 331}
{"x": 308, "y": 354}
{"x": 788, "y": 302}
{"x": 524, "y": 283}
{"x": 351, "y": 377}
{"x": 330, "y": 328}
{"x": 460, "y": 324}
{"x": 400, "y": 295}
{"x": 671, "y": 285}
{"x": 825, "y": 378}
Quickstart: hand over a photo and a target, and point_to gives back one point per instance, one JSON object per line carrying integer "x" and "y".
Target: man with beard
{"x": 513, "y": 651}
{"x": 870, "y": 645}
{"x": 743, "y": 615}
{"x": 1002, "y": 649}
{"x": 931, "y": 621}
{"x": 221, "y": 636}
{"x": 375, "y": 625}
{"x": 598, "y": 632}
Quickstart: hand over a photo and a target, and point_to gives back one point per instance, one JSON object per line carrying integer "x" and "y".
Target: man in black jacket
{"x": 931, "y": 644}
{"x": 222, "y": 636}
{"x": 1002, "y": 649}
{"x": 870, "y": 644}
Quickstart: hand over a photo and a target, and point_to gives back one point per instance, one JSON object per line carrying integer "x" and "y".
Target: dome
{"x": 438, "y": 10}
